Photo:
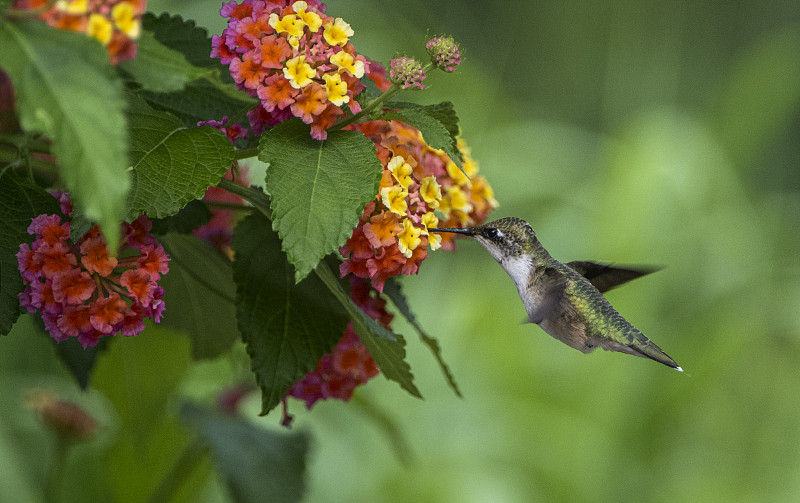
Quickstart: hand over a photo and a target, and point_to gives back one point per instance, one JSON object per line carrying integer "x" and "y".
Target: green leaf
{"x": 183, "y": 36}
{"x": 385, "y": 347}
{"x": 393, "y": 291}
{"x": 172, "y": 165}
{"x": 258, "y": 465}
{"x": 437, "y": 123}
{"x": 66, "y": 89}
{"x": 202, "y": 100}
{"x": 318, "y": 189}
{"x": 287, "y": 327}
{"x": 200, "y": 295}
{"x": 158, "y": 68}
{"x": 22, "y": 200}
{"x": 79, "y": 361}
{"x": 193, "y": 215}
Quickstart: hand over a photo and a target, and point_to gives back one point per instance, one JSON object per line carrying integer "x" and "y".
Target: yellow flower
{"x": 124, "y": 17}
{"x": 408, "y": 240}
{"x": 337, "y": 33}
{"x": 337, "y": 90}
{"x": 457, "y": 175}
{"x": 99, "y": 28}
{"x": 431, "y": 192}
{"x": 298, "y": 72}
{"x": 430, "y": 220}
{"x": 288, "y": 24}
{"x": 459, "y": 203}
{"x": 394, "y": 198}
{"x": 401, "y": 170}
{"x": 73, "y": 7}
{"x": 311, "y": 19}
{"x": 345, "y": 60}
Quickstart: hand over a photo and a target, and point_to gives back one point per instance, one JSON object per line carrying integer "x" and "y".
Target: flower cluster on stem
{"x": 117, "y": 24}
{"x": 80, "y": 290}
{"x": 293, "y": 57}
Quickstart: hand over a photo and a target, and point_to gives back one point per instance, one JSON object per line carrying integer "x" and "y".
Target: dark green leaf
{"x": 172, "y": 165}
{"x": 437, "y": 123}
{"x": 202, "y": 100}
{"x": 385, "y": 347}
{"x": 79, "y": 224}
{"x": 193, "y": 215}
{"x": 258, "y": 465}
{"x": 66, "y": 89}
{"x": 183, "y": 36}
{"x": 79, "y": 361}
{"x": 287, "y": 326}
{"x": 160, "y": 69}
{"x": 318, "y": 189}
{"x": 393, "y": 291}
{"x": 22, "y": 200}
{"x": 199, "y": 294}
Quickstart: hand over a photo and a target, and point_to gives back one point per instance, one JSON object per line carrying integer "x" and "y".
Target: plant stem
{"x": 254, "y": 196}
{"x": 372, "y": 105}
{"x": 245, "y": 153}
{"x": 187, "y": 462}
{"x": 55, "y": 474}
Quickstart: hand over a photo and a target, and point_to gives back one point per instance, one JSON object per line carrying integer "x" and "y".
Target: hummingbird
{"x": 565, "y": 300}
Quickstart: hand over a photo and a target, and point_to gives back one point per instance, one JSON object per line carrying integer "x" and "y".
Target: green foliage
{"x": 195, "y": 214}
{"x": 79, "y": 361}
{"x": 159, "y": 69}
{"x": 257, "y": 464}
{"x": 183, "y": 36}
{"x": 66, "y": 90}
{"x": 393, "y": 290}
{"x": 287, "y": 326}
{"x": 200, "y": 295}
{"x": 172, "y": 165}
{"x": 437, "y": 123}
{"x": 318, "y": 189}
{"x": 22, "y": 200}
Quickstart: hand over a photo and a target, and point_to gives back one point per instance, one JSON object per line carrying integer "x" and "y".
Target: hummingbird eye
{"x": 492, "y": 233}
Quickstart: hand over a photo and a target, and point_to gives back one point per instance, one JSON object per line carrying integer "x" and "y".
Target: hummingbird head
{"x": 511, "y": 241}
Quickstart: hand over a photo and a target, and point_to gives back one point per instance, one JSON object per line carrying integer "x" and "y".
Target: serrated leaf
{"x": 193, "y": 215}
{"x": 66, "y": 89}
{"x": 385, "y": 347}
{"x": 183, "y": 36}
{"x": 393, "y": 291}
{"x": 202, "y": 100}
{"x": 437, "y": 123}
{"x": 160, "y": 69}
{"x": 258, "y": 465}
{"x": 287, "y": 327}
{"x": 200, "y": 295}
{"x": 22, "y": 200}
{"x": 172, "y": 165}
{"x": 318, "y": 189}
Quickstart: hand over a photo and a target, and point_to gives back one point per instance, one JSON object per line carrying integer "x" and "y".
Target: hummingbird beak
{"x": 466, "y": 232}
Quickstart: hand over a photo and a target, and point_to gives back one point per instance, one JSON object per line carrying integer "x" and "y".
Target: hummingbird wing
{"x": 554, "y": 284}
{"x": 605, "y": 276}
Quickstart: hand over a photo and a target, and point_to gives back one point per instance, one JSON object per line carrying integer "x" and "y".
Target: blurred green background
{"x": 636, "y": 132}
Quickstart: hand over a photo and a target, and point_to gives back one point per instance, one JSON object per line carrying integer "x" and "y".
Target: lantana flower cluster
{"x": 80, "y": 290}
{"x": 117, "y": 24}
{"x": 298, "y": 61}
{"x": 421, "y": 188}
{"x": 349, "y": 365}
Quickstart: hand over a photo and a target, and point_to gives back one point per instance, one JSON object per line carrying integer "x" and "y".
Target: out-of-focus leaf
{"x": 79, "y": 361}
{"x": 286, "y": 326}
{"x": 193, "y": 215}
{"x": 183, "y": 36}
{"x": 66, "y": 89}
{"x": 160, "y": 69}
{"x": 22, "y": 200}
{"x": 258, "y": 465}
{"x": 172, "y": 165}
{"x": 199, "y": 294}
{"x": 318, "y": 189}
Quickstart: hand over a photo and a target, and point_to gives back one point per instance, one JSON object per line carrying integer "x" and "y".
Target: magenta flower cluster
{"x": 80, "y": 290}
{"x": 407, "y": 72}
{"x": 444, "y": 53}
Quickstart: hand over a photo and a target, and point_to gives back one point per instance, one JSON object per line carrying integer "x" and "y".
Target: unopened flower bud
{"x": 444, "y": 53}
{"x": 407, "y": 72}
{"x": 66, "y": 419}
